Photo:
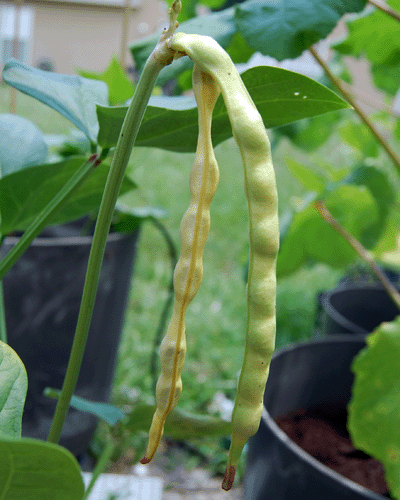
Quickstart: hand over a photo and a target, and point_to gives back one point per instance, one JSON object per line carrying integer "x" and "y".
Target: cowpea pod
{"x": 188, "y": 273}
{"x": 251, "y": 137}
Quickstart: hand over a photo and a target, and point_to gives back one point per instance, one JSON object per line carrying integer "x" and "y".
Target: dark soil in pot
{"x": 328, "y": 441}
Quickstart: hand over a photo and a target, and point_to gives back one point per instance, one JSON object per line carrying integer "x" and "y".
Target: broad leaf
{"x": 13, "y": 387}
{"x": 310, "y": 179}
{"x": 373, "y": 412}
{"x": 120, "y": 87}
{"x": 376, "y": 35}
{"x": 22, "y": 144}
{"x": 36, "y": 470}
{"x": 218, "y": 25}
{"x": 359, "y": 138}
{"x": 382, "y": 190}
{"x": 109, "y": 413}
{"x": 284, "y": 29}
{"x": 310, "y": 239}
{"x": 23, "y": 195}
{"x": 179, "y": 425}
{"x": 281, "y": 97}
{"x": 72, "y": 96}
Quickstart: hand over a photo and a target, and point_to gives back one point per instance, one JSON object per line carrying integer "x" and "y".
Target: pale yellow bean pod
{"x": 188, "y": 273}
{"x": 251, "y": 137}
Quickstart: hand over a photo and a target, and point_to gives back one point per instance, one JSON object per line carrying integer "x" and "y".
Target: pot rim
{"x": 291, "y": 445}
{"x": 45, "y": 241}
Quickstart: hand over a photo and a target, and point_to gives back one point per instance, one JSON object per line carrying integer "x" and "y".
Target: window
{"x": 16, "y": 26}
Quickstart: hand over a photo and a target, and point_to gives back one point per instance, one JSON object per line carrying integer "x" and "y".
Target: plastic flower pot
{"x": 356, "y": 309}
{"x": 42, "y": 299}
{"x": 313, "y": 374}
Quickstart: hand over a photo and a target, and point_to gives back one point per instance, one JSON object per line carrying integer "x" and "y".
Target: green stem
{"x": 160, "y": 57}
{"x": 3, "y": 326}
{"x": 101, "y": 465}
{"x": 45, "y": 216}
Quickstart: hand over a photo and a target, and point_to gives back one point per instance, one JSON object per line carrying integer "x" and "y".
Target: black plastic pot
{"x": 42, "y": 298}
{"x": 316, "y": 373}
{"x": 356, "y": 309}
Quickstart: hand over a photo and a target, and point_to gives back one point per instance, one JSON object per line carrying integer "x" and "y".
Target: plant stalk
{"x": 386, "y": 9}
{"x": 361, "y": 251}
{"x": 3, "y": 326}
{"x": 160, "y": 57}
{"x": 47, "y": 213}
{"x": 382, "y": 141}
{"x": 102, "y": 463}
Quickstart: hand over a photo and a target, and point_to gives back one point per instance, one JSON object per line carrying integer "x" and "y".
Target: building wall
{"x": 72, "y": 35}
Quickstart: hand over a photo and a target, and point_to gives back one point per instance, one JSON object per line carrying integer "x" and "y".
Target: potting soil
{"x": 329, "y": 443}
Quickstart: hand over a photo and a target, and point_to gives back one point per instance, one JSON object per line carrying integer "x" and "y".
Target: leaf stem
{"x": 386, "y": 9}
{"x": 47, "y": 213}
{"x": 160, "y": 57}
{"x": 3, "y": 326}
{"x": 102, "y": 463}
{"x": 383, "y": 142}
{"x": 361, "y": 251}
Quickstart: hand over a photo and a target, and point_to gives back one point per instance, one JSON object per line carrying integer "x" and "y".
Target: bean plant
{"x": 263, "y": 97}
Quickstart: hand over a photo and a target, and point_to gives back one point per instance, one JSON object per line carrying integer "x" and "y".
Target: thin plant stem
{"x": 42, "y": 220}
{"x": 158, "y": 59}
{"x": 102, "y": 463}
{"x": 386, "y": 9}
{"x": 3, "y": 326}
{"x": 382, "y": 141}
{"x": 361, "y": 251}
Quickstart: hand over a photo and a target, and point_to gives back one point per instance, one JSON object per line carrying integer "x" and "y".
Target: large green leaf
{"x": 72, "y": 96}
{"x": 23, "y": 195}
{"x": 120, "y": 87}
{"x": 218, "y": 25}
{"x": 179, "y": 425}
{"x": 13, "y": 387}
{"x": 22, "y": 144}
{"x": 36, "y": 470}
{"x": 189, "y": 7}
{"x": 373, "y": 412}
{"x": 284, "y": 29}
{"x": 311, "y": 239}
{"x": 376, "y": 35}
{"x": 281, "y": 97}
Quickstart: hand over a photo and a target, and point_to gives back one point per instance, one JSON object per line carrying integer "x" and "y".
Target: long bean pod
{"x": 188, "y": 273}
{"x": 251, "y": 137}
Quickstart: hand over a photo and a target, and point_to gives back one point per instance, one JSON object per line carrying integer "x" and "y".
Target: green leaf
{"x": 376, "y": 35}
{"x": 23, "y": 195}
{"x": 373, "y": 412}
{"x": 72, "y": 96}
{"x": 179, "y": 425}
{"x": 13, "y": 387}
{"x": 311, "y": 180}
{"x": 109, "y": 413}
{"x": 310, "y": 239}
{"x": 281, "y": 97}
{"x": 283, "y": 30}
{"x": 37, "y": 470}
{"x": 382, "y": 190}
{"x": 218, "y": 25}
{"x": 22, "y": 144}
{"x": 120, "y": 87}
{"x": 359, "y": 138}
{"x": 127, "y": 219}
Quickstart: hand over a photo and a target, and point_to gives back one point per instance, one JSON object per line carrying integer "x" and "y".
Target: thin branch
{"x": 361, "y": 114}
{"x": 386, "y": 9}
{"x": 362, "y": 252}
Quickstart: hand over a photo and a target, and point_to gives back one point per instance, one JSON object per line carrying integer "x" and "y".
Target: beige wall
{"x": 86, "y": 36}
